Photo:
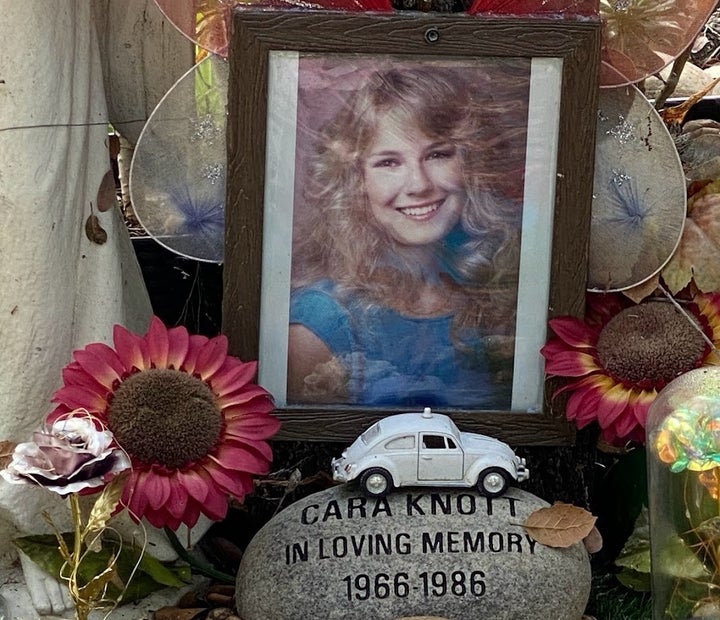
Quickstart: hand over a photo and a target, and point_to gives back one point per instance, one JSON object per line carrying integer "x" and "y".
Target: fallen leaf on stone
{"x": 421, "y": 618}
{"x": 94, "y": 231}
{"x": 559, "y": 525}
{"x": 593, "y": 541}
{"x": 6, "y": 451}
{"x": 176, "y": 613}
{"x": 698, "y": 254}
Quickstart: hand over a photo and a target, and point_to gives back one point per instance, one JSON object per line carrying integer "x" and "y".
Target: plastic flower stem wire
{"x": 81, "y": 607}
{"x": 682, "y": 311}
{"x": 200, "y": 567}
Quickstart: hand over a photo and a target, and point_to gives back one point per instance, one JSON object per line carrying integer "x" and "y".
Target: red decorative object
{"x": 188, "y": 415}
{"x": 562, "y": 8}
{"x": 618, "y": 358}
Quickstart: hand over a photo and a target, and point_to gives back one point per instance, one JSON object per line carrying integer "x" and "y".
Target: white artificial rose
{"x": 70, "y": 456}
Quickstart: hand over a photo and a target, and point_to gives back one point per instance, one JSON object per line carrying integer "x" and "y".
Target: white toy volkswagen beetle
{"x": 427, "y": 449}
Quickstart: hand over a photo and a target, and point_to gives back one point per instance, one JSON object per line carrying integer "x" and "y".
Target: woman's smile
{"x": 413, "y": 182}
{"x": 420, "y": 210}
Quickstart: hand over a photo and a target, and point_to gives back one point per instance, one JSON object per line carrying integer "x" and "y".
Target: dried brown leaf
{"x": 559, "y": 525}
{"x": 94, "y": 231}
{"x": 641, "y": 291}
{"x": 676, "y": 114}
{"x": 176, "y": 613}
{"x": 698, "y": 254}
{"x": 107, "y": 193}
{"x": 6, "y": 451}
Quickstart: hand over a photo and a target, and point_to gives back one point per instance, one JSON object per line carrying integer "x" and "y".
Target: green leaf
{"x": 635, "y": 555}
{"x": 635, "y": 580}
{"x": 44, "y": 550}
{"x": 162, "y": 573}
{"x": 151, "y": 574}
{"x": 637, "y": 560}
{"x": 678, "y": 560}
{"x": 684, "y": 598}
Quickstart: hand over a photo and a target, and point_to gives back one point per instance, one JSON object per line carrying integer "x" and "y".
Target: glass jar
{"x": 683, "y": 447}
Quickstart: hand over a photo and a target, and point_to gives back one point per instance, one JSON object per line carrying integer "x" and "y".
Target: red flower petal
{"x": 571, "y": 364}
{"x": 573, "y": 331}
{"x": 240, "y": 457}
{"x": 251, "y": 425}
{"x": 157, "y": 518}
{"x": 215, "y": 505}
{"x": 232, "y": 482}
{"x": 554, "y": 347}
{"x": 233, "y": 377}
{"x": 131, "y": 349}
{"x": 624, "y": 426}
{"x": 192, "y": 513}
{"x": 242, "y": 396}
{"x": 134, "y": 495}
{"x": 73, "y": 374}
{"x": 100, "y": 362}
{"x": 211, "y": 357}
{"x": 164, "y": 518}
{"x": 260, "y": 404}
{"x": 178, "y": 500}
{"x": 157, "y": 343}
{"x": 581, "y": 406}
{"x": 601, "y": 307}
{"x": 641, "y": 405}
{"x": 194, "y": 484}
{"x": 195, "y": 345}
{"x": 157, "y": 488}
{"x": 613, "y": 404}
{"x": 76, "y": 397}
{"x": 179, "y": 341}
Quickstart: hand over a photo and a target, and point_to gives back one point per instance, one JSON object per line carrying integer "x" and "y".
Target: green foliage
{"x": 149, "y": 573}
{"x": 610, "y": 600}
{"x": 634, "y": 559}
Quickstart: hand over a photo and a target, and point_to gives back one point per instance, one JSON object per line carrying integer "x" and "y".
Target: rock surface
{"x": 418, "y": 552}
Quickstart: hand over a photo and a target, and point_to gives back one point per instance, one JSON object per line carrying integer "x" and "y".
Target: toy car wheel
{"x": 492, "y": 482}
{"x": 376, "y": 482}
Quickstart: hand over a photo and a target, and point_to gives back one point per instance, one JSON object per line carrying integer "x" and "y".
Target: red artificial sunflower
{"x": 189, "y": 416}
{"x": 623, "y": 354}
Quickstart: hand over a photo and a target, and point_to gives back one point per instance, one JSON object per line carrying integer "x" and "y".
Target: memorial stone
{"x": 455, "y": 554}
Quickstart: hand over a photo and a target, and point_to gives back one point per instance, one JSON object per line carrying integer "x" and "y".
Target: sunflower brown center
{"x": 650, "y": 342}
{"x": 165, "y": 416}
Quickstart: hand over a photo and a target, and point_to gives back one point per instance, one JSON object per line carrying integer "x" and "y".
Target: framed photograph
{"x": 409, "y": 202}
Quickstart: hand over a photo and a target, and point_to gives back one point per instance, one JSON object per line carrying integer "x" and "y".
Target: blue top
{"x": 395, "y": 359}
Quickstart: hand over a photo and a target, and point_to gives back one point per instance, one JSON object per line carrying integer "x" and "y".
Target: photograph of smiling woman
{"x": 406, "y": 236}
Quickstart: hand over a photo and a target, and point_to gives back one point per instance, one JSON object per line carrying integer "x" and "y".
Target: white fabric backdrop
{"x": 59, "y": 291}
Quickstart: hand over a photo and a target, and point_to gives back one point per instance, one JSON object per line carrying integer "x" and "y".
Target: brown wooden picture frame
{"x": 413, "y": 35}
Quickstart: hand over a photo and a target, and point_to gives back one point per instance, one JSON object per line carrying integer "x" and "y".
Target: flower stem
{"x": 82, "y": 609}
{"x": 198, "y": 567}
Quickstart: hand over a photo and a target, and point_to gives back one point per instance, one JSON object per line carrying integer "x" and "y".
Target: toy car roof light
{"x": 427, "y": 413}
